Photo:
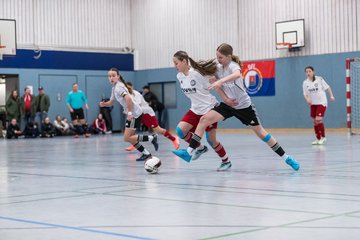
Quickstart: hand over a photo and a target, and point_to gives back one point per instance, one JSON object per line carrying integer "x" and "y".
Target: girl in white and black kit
{"x": 134, "y": 113}
{"x": 194, "y": 83}
{"x": 228, "y": 77}
{"x": 314, "y": 90}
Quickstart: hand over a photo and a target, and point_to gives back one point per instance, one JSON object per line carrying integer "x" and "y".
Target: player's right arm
{"x": 68, "y": 99}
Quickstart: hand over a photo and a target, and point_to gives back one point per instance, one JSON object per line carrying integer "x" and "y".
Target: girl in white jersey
{"x": 228, "y": 77}
{"x": 149, "y": 118}
{"x": 133, "y": 111}
{"x": 195, "y": 84}
{"x": 314, "y": 88}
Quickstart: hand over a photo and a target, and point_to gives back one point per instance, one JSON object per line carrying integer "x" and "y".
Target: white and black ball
{"x": 152, "y": 165}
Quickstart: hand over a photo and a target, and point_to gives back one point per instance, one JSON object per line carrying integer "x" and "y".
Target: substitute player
{"x": 314, "y": 90}
{"x": 134, "y": 114}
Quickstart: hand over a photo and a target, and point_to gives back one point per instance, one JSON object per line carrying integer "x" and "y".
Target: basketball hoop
{"x": 1, "y": 53}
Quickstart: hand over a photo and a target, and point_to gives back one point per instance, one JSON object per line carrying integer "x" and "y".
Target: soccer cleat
{"x": 322, "y": 141}
{"x": 182, "y": 153}
{"x": 76, "y": 136}
{"x": 224, "y": 166}
{"x": 292, "y": 163}
{"x": 316, "y": 142}
{"x": 87, "y": 135}
{"x": 155, "y": 142}
{"x": 143, "y": 157}
{"x": 198, "y": 152}
{"x": 130, "y": 148}
{"x": 176, "y": 143}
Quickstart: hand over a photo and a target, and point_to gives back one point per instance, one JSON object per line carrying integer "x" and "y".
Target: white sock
{"x": 285, "y": 156}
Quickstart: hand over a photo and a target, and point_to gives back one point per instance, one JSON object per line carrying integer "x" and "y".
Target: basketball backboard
{"x": 8, "y": 36}
{"x": 290, "y": 34}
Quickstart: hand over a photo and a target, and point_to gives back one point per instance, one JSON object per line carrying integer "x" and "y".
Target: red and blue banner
{"x": 259, "y": 78}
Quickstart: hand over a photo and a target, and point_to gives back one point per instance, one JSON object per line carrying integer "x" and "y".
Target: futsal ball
{"x": 152, "y": 165}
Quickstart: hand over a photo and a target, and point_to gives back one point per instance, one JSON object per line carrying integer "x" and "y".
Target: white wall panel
{"x": 166, "y": 26}
{"x": 68, "y": 24}
{"x": 158, "y": 28}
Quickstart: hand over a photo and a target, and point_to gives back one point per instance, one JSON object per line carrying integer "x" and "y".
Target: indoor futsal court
{"x": 270, "y": 88}
{"x": 93, "y": 189}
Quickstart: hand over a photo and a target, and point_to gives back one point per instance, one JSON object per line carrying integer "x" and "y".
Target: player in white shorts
{"x": 149, "y": 118}
{"x": 228, "y": 77}
{"x": 133, "y": 111}
{"x": 314, "y": 90}
{"x": 194, "y": 85}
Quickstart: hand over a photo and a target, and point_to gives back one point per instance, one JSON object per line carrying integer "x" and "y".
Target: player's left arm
{"x": 229, "y": 101}
{"x": 332, "y": 98}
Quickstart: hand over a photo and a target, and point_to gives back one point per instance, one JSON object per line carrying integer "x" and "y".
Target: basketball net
{"x": 286, "y": 44}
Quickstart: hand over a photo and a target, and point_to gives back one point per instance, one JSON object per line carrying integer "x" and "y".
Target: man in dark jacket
{"x": 42, "y": 105}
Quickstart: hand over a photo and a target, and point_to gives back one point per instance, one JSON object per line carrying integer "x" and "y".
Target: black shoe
{"x": 155, "y": 142}
{"x": 143, "y": 157}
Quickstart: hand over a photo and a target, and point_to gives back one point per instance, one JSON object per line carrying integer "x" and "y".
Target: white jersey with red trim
{"x": 118, "y": 92}
{"x": 195, "y": 87}
{"x": 316, "y": 90}
{"x": 234, "y": 89}
{"x": 139, "y": 99}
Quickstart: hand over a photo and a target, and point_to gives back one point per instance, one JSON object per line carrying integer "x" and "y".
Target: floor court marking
{"x": 183, "y": 184}
{"x": 75, "y": 228}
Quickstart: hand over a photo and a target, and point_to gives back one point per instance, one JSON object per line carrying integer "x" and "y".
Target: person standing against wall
{"x": 42, "y": 105}
{"x": 74, "y": 101}
{"x": 27, "y": 107}
{"x": 13, "y": 107}
{"x": 154, "y": 102}
{"x": 314, "y": 90}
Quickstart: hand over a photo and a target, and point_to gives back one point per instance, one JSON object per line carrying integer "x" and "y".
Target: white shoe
{"x": 316, "y": 142}
{"x": 322, "y": 141}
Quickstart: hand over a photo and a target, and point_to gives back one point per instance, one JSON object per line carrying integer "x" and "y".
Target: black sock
{"x": 195, "y": 141}
{"x": 278, "y": 149}
{"x": 139, "y": 147}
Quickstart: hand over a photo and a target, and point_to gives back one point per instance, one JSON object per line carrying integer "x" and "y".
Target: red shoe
{"x": 76, "y": 136}
{"x": 87, "y": 135}
{"x": 131, "y": 148}
{"x": 176, "y": 143}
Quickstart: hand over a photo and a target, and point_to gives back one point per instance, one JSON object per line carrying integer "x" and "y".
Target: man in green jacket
{"x": 42, "y": 105}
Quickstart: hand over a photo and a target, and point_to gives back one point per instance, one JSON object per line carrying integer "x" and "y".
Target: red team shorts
{"x": 193, "y": 119}
{"x": 317, "y": 111}
{"x": 149, "y": 121}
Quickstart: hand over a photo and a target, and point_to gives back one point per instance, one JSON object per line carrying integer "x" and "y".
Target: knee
{"x": 180, "y": 132}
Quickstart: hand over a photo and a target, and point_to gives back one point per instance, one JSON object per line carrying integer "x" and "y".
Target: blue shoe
{"x": 155, "y": 142}
{"x": 198, "y": 153}
{"x": 182, "y": 153}
{"x": 224, "y": 166}
{"x": 292, "y": 163}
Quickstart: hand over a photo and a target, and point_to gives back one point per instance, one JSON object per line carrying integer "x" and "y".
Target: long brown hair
{"x": 121, "y": 79}
{"x": 203, "y": 67}
{"x": 226, "y": 49}
{"x": 312, "y": 69}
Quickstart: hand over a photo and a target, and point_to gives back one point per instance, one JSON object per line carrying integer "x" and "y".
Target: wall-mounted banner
{"x": 259, "y": 78}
